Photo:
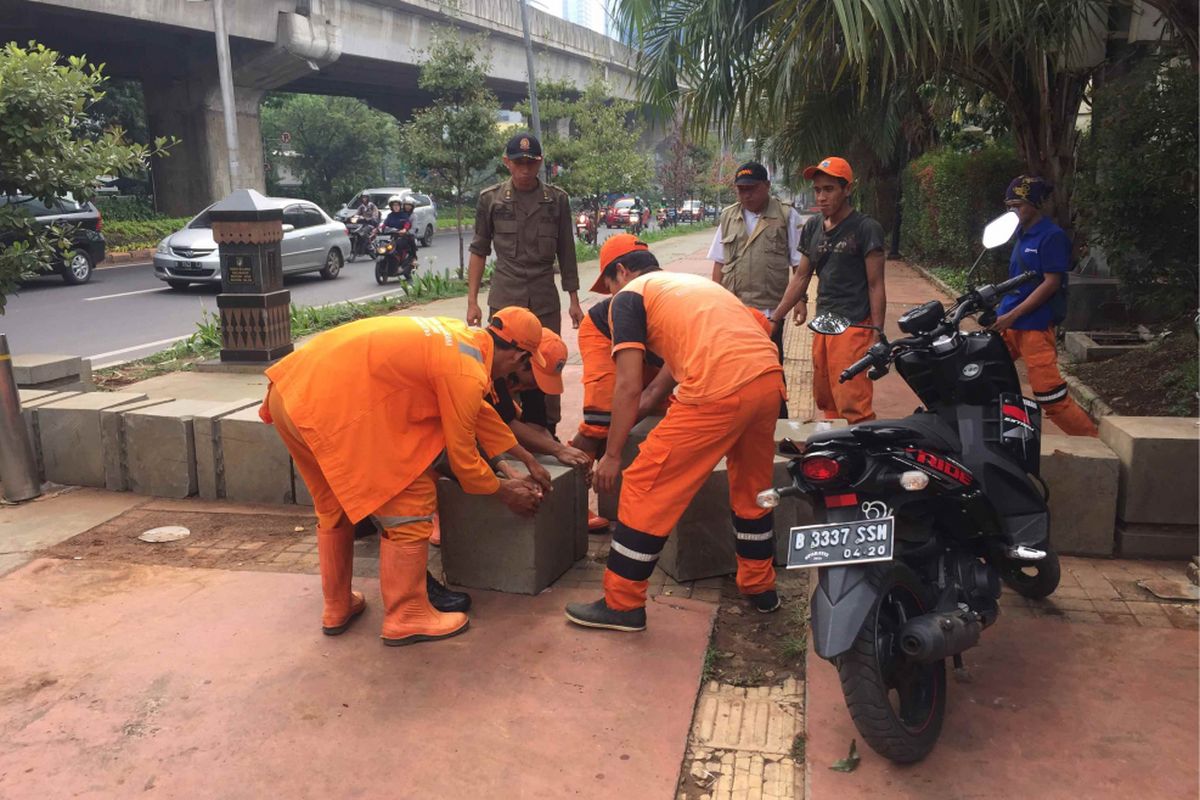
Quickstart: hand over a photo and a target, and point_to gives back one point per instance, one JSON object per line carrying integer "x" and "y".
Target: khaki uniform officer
{"x": 529, "y": 223}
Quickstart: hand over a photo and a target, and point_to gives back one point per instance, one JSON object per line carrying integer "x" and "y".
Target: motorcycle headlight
{"x": 163, "y": 247}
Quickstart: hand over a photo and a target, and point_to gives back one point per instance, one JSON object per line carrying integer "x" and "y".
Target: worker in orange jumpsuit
{"x": 844, "y": 248}
{"x": 1026, "y": 316}
{"x": 365, "y": 410}
{"x": 726, "y": 405}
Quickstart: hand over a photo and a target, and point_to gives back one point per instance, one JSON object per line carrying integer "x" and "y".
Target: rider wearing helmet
{"x": 400, "y": 213}
{"x": 366, "y": 209}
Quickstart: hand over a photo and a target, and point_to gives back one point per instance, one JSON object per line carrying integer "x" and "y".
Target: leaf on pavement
{"x": 850, "y": 762}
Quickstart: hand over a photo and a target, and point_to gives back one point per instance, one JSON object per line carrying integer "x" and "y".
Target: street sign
{"x": 285, "y": 138}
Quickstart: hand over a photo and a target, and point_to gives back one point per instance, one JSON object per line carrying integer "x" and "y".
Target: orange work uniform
{"x": 366, "y": 408}
{"x": 730, "y": 385}
{"x": 851, "y": 400}
{"x": 1038, "y": 349}
{"x": 600, "y": 371}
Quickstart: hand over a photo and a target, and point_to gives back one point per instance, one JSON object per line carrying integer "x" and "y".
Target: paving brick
{"x": 486, "y": 546}
{"x": 1160, "y": 468}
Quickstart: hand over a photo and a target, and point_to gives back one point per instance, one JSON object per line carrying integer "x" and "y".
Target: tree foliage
{"x": 1138, "y": 182}
{"x": 454, "y": 139}
{"x": 338, "y": 144}
{"x": 680, "y": 173}
{"x": 49, "y": 149}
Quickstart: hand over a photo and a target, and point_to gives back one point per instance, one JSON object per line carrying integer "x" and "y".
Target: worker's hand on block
{"x": 521, "y": 495}
{"x": 608, "y": 469}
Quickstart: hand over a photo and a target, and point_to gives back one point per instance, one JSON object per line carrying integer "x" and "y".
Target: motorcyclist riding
{"x": 400, "y": 213}
{"x": 367, "y": 209}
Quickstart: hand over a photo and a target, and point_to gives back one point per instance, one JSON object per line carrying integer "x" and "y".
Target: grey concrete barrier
{"x": 1082, "y": 474}
{"x": 257, "y": 467}
{"x": 72, "y": 440}
{"x": 210, "y": 460}
{"x": 160, "y": 448}
{"x": 1160, "y": 468}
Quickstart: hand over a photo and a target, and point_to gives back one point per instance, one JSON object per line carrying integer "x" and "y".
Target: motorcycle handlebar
{"x": 857, "y": 367}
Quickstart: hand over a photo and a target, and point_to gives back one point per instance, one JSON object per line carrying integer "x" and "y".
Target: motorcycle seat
{"x": 921, "y": 429}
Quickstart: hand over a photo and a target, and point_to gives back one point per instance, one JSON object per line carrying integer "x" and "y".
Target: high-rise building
{"x": 588, "y": 13}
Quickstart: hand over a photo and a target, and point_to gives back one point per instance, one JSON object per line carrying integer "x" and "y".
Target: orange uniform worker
{"x": 726, "y": 405}
{"x": 1026, "y": 318}
{"x": 365, "y": 410}
{"x": 844, "y": 249}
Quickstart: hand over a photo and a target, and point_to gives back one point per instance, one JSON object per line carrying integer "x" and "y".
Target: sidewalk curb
{"x": 116, "y": 258}
{"x": 1086, "y": 397}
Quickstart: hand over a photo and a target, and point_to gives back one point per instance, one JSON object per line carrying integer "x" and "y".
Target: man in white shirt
{"x": 757, "y": 245}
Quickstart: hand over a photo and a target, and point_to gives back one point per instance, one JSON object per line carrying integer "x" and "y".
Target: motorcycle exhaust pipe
{"x": 933, "y": 637}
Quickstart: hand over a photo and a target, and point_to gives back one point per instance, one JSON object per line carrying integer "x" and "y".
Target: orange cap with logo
{"x": 518, "y": 326}
{"x": 832, "y": 166}
{"x": 554, "y": 350}
{"x": 621, "y": 244}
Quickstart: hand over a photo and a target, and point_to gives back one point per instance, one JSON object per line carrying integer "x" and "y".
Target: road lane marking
{"x": 127, "y": 294}
{"x": 124, "y": 350}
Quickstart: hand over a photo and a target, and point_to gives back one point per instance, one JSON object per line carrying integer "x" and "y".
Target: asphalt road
{"x": 125, "y": 313}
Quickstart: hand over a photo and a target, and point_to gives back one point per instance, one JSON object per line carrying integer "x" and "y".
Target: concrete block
{"x": 210, "y": 468}
{"x": 1160, "y": 468}
{"x": 71, "y": 440}
{"x": 257, "y": 467}
{"x": 607, "y": 504}
{"x": 35, "y": 369}
{"x": 486, "y": 546}
{"x": 702, "y": 543}
{"x": 160, "y": 448}
{"x": 579, "y": 486}
{"x": 112, "y": 441}
{"x": 1096, "y": 346}
{"x": 29, "y": 395}
{"x": 299, "y": 489}
{"x": 1136, "y": 540}
{"x": 1082, "y": 474}
{"x": 31, "y": 427}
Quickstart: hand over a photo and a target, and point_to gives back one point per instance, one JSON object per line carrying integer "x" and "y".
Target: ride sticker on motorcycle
{"x": 923, "y": 516}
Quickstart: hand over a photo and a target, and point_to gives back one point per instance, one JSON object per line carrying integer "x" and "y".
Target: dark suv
{"x": 81, "y": 224}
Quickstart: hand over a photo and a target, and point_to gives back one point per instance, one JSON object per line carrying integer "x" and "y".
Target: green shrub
{"x": 124, "y": 208}
{"x": 140, "y": 234}
{"x": 1137, "y": 181}
{"x": 949, "y": 197}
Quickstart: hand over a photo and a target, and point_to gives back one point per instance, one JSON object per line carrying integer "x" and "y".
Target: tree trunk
{"x": 458, "y": 214}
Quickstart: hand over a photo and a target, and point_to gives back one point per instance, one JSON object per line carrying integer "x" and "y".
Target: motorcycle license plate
{"x": 834, "y": 543}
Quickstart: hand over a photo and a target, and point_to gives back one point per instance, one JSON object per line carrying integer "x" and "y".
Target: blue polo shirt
{"x": 1043, "y": 248}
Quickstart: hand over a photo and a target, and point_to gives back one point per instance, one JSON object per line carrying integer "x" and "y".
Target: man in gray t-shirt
{"x": 844, "y": 249}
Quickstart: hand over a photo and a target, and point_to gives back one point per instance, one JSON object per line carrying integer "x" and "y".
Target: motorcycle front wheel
{"x": 381, "y": 275}
{"x": 897, "y": 704}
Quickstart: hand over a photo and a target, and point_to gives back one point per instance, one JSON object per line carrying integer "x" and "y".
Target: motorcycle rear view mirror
{"x": 1000, "y": 230}
{"x": 829, "y": 324}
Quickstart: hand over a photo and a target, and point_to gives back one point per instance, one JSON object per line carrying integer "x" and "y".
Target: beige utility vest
{"x": 757, "y": 263}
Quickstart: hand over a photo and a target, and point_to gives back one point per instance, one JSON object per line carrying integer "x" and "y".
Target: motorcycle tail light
{"x": 820, "y": 469}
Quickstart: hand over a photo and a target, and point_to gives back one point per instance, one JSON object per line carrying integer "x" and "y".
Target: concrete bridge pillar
{"x": 196, "y": 173}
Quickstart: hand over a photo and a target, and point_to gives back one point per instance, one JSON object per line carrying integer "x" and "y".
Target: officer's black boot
{"x": 443, "y": 599}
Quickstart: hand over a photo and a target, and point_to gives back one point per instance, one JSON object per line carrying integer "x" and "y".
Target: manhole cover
{"x": 167, "y": 533}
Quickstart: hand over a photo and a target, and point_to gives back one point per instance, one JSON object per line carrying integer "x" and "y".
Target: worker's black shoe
{"x": 599, "y": 615}
{"x": 443, "y": 599}
{"x": 765, "y": 602}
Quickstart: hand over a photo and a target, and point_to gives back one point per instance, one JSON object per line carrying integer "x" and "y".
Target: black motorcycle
{"x": 395, "y": 254}
{"x": 923, "y": 516}
{"x": 362, "y": 236}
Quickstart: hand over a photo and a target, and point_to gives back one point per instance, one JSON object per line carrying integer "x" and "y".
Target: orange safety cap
{"x": 554, "y": 351}
{"x": 833, "y": 166}
{"x": 621, "y": 244}
{"x": 518, "y": 326}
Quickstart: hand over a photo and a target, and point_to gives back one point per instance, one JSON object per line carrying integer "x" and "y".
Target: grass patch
{"x": 798, "y": 745}
{"x": 792, "y": 648}
{"x": 205, "y": 343}
{"x": 709, "y": 671}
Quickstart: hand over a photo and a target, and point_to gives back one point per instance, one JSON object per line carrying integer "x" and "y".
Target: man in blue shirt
{"x": 1026, "y": 317}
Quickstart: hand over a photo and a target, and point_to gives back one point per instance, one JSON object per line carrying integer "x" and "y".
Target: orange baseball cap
{"x": 832, "y": 166}
{"x": 554, "y": 350}
{"x": 621, "y": 244}
{"x": 518, "y": 326}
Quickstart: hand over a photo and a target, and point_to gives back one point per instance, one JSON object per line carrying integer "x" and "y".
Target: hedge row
{"x": 949, "y": 197}
{"x": 140, "y": 234}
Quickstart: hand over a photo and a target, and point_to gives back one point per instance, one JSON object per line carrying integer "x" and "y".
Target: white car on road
{"x": 312, "y": 242}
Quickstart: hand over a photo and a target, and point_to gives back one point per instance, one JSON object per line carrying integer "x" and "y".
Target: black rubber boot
{"x": 765, "y": 602}
{"x": 443, "y": 599}
{"x": 599, "y": 615}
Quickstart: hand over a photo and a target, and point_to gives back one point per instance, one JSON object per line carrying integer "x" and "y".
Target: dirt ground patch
{"x": 1160, "y": 380}
{"x": 753, "y": 649}
{"x": 263, "y": 542}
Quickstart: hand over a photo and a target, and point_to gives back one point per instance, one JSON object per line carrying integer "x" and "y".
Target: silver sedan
{"x": 312, "y": 242}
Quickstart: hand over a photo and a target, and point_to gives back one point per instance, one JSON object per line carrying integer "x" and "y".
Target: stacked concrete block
{"x": 31, "y": 427}
{"x": 1082, "y": 474}
{"x": 1159, "y": 490}
{"x": 210, "y": 461}
{"x": 607, "y": 502}
{"x": 112, "y": 439}
{"x": 486, "y": 546}
{"x": 54, "y": 372}
{"x": 71, "y": 439}
{"x": 160, "y": 448}
{"x": 257, "y": 467}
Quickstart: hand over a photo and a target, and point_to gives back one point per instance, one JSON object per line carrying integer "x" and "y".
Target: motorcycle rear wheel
{"x": 897, "y": 705}
{"x": 1032, "y": 579}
